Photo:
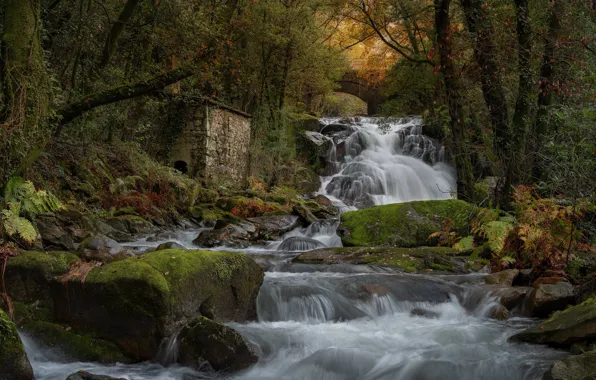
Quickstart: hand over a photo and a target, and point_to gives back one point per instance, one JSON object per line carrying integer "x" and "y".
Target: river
{"x": 347, "y": 322}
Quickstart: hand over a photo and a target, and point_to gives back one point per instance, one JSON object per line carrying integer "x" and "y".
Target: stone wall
{"x": 213, "y": 143}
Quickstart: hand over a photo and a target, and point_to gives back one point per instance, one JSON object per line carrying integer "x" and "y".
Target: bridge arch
{"x": 353, "y": 84}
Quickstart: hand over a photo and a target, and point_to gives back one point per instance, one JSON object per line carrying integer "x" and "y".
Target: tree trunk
{"x": 465, "y": 188}
{"x": 482, "y": 32}
{"x": 116, "y": 30}
{"x": 545, "y": 85}
{"x": 25, "y": 87}
{"x": 522, "y": 117}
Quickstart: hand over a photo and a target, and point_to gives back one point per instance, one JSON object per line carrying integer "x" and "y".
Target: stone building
{"x": 213, "y": 143}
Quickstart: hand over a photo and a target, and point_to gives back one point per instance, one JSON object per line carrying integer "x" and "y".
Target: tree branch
{"x": 73, "y": 110}
{"x": 116, "y": 31}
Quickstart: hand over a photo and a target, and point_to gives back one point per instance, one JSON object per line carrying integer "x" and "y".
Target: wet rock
{"x": 230, "y": 235}
{"x": 130, "y": 224}
{"x": 312, "y": 148}
{"x": 101, "y": 248}
{"x": 420, "y": 259}
{"x": 505, "y": 277}
{"x": 83, "y": 375}
{"x": 404, "y": 224}
{"x": 299, "y": 243}
{"x": 52, "y": 234}
{"x": 512, "y": 297}
{"x": 219, "y": 345}
{"x": 14, "y": 364}
{"x": 305, "y": 214}
{"x": 550, "y": 294}
{"x": 576, "y": 324}
{"x": 499, "y": 312}
{"x": 169, "y": 245}
{"x": 420, "y": 312}
{"x": 272, "y": 227}
{"x": 332, "y": 129}
{"x": 577, "y": 367}
{"x": 525, "y": 278}
{"x": 323, "y": 200}
{"x": 375, "y": 289}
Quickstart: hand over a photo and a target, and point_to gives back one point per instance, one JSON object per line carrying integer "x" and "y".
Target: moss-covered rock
{"x": 421, "y": 259}
{"x": 404, "y": 224}
{"x": 14, "y": 364}
{"x": 137, "y": 302}
{"x": 576, "y": 367}
{"x": 576, "y": 324}
{"x": 219, "y": 345}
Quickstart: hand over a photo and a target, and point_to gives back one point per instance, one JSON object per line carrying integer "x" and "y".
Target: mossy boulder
{"x": 138, "y": 301}
{"x": 574, "y": 325}
{"x": 405, "y": 224}
{"x": 223, "y": 348}
{"x": 420, "y": 259}
{"x": 576, "y": 367}
{"x": 14, "y": 364}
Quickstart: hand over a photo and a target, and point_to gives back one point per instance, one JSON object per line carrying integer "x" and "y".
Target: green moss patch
{"x": 405, "y": 224}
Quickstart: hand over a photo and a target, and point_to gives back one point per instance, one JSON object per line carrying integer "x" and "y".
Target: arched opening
{"x": 181, "y": 166}
{"x": 344, "y": 104}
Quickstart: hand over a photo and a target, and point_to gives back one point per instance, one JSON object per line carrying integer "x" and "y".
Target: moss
{"x": 575, "y": 324}
{"x": 125, "y": 211}
{"x": 49, "y": 263}
{"x": 76, "y": 345}
{"x": 404, "y": 224}
{"x": 13, "y": 359}
{"x": 132, "y": 287}
{"x": 420, "y": 259}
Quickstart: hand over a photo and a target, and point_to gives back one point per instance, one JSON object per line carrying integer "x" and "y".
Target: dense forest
{"x": 245, "y": 123}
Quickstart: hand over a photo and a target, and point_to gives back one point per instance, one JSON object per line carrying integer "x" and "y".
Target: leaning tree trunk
{"x": 465, "y": 188}
{"x": 24, "y": 85}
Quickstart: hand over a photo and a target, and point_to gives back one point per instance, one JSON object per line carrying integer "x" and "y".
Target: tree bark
{"x": 25, "y": 88}
{"x": 465, "y": 188}
{"x": 482, "y": 32}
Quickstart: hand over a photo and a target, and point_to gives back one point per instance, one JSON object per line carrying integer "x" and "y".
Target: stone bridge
{"x": 354, "y": 84}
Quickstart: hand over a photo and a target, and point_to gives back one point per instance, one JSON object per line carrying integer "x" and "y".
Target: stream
{"x": 358, "y": 322}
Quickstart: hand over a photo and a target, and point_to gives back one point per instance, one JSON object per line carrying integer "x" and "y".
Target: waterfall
{"x": 375, "y": 161}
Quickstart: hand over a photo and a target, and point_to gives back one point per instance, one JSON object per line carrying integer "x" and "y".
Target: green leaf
{"x": 465, "y": 244}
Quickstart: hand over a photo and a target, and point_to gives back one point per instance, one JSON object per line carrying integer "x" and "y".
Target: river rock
{"x": 512, "y": 297}
{"x": 83, "y": 375}
{"x": 312, "y": 148}
{"x": 504, "y": 277}
{"x": 219, "y": 345}
{"x": 138, "y": 301}
{"x": 169, "y": 245}
{"x": 404, "y": 224}
{"x": 305, "y": 214}
{"x": 14, "y": 364}
{"x": 550, "y": 294}
{"x": 273, "y": 226}
{"x": 420, "y": 312}
{"x": 576, "y": 367}
{"x": 332, "y": 129}
{"x": 52, "y": 234}
{"x": 574, "y": 325}
{"x": 225, "y": 234}
{"x": 101, "y": 248}
{"x": 419, "y": 259}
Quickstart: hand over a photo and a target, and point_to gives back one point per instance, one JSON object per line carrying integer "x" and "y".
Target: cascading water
{"x": 355, "y": 322}
{"x": 381, "y": 161}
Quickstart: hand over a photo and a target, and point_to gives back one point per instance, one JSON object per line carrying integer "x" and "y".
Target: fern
{"x": 496, "y": 233}
{"x": 15, "y": 225}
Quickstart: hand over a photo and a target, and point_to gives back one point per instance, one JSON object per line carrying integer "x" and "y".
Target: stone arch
{"x": 352, "y": 84}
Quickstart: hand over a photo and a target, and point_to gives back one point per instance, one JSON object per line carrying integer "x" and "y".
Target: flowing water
{"x": 349, "y": 322}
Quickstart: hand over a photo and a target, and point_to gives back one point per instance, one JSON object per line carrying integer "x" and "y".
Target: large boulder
{"x": 404, "y": 224}
{"x": 14, "y": 364}
{"x": 504, "y": 277}
{"x": 53, "y": 234}
{"x": 273, "y": 226}
{"x": 312, "y": 148}
{"x": 223, "y": 348}
{"x": 226, "y": 234}
{"x": 550, "y": 294}
{"x": 138, "y": 301}
{"x": 512, "y": 297}
{"x": 577, "y": 367}
{"x": 420, "y": 259}
{"x": 574, "y": 325}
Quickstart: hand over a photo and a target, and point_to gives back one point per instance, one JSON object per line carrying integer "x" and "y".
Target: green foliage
{"x": 23, "y": 203}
